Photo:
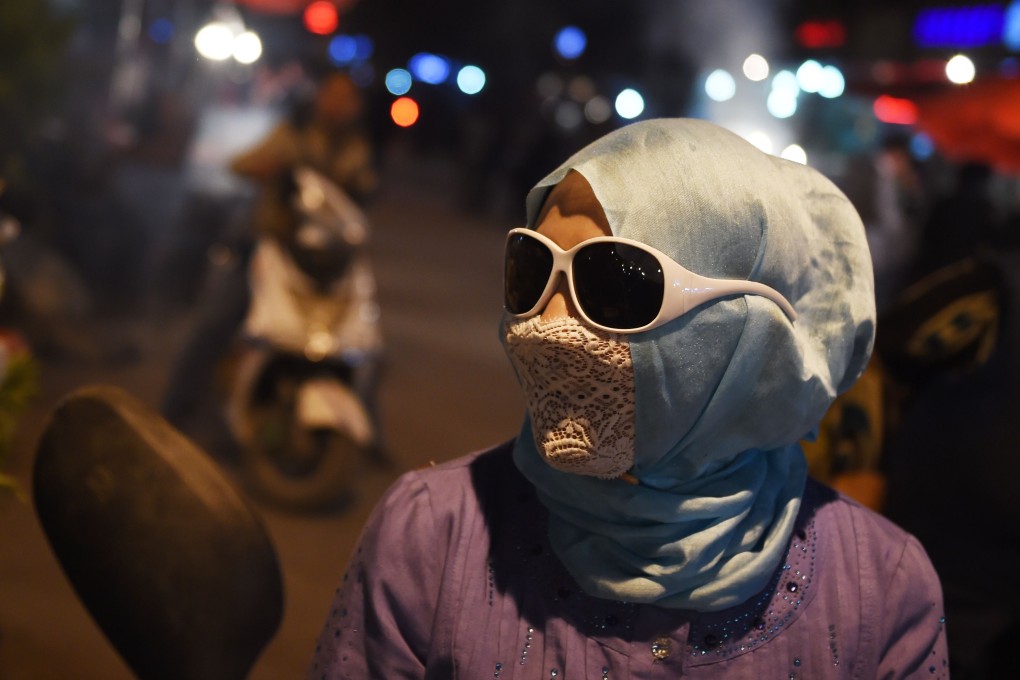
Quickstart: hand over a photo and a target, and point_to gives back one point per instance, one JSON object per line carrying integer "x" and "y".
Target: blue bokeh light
{"x": 161, "y": 31}
{"x": 959, "y": 26}
{"x": 1011, "y": 27}
{"x": 471, "y": 79}
{"x": 364, "y": 47}
{"x": 343, "y": 49}
{"x": 363, "y": 74}
{"x": 398, "y": 81}
{"x": 921, "y": 146}
{"x": 429, "y": 68}
{"x": 570, "y": 42}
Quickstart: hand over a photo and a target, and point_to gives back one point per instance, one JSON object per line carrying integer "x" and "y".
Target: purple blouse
{"x": 454, "y": 578}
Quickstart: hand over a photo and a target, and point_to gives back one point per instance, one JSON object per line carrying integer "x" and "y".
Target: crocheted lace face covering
{"x": 579, "y": 385}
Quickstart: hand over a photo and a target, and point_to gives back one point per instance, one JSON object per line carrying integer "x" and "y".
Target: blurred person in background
{"x": 654, "y": 518}
{"x": 961, "y": 222}
{"x": 887, "y": 191}
{"x": 951, "y": 345}
{"x": 323, "y": 132}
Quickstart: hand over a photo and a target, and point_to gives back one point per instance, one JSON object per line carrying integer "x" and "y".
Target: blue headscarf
{"x": 725, "y": 392}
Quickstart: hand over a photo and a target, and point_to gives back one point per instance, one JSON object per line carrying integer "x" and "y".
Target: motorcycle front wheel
{"x": 299, "y": 468}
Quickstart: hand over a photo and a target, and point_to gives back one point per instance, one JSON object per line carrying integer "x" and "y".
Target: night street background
{"x": 447, "y": 390}
{"x": 119, "y": 121}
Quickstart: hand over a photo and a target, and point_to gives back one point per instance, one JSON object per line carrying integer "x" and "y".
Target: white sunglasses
{"x": 617, "y": 284}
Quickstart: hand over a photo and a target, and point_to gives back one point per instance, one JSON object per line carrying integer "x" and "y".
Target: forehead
{"x": 571, "y": 213}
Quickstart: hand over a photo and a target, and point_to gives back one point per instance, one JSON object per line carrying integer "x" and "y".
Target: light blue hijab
{"x": 725, "y": 392}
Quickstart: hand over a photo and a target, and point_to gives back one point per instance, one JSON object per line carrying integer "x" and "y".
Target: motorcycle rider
{"x": 325, "y": 136}
{"x": 323, "y": 132}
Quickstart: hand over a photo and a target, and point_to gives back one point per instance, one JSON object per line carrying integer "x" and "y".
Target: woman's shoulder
{"x": 459, "y": 485}
{"x": 436, "y": 509}
{"x": 885, "y": 566}
{"x": 851, "y": 524}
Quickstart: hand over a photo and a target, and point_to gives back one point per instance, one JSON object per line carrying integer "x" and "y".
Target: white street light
{"x": 795, "y": 153}
{"x": 215, "y": 41}
{"x": 247, "y": 48}
{"x": 630, "y": 104}
{"x": 756, "y": 68}
{"x": 960, "y": 70}
{"x": 760, "y": 140}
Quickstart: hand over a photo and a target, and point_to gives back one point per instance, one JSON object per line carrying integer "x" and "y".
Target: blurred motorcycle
{"x": 301, "y": 391}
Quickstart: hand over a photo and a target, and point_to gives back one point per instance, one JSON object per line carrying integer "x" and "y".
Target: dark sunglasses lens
{"x": 526, "y": 271}
{"x": 618, "y": 285}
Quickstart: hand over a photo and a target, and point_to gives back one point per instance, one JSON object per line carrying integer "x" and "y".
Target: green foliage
{"x": 19, "y": 385}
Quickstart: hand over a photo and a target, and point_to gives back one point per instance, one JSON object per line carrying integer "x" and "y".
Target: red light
{"x": 815, "y": 34}
{"x": 896, "y": 111}
{"x": 404, "y": 112}
{"x": 321, "y": 17}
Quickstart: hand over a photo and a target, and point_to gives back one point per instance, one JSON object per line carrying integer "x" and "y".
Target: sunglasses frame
{"x": 683, "y": 289}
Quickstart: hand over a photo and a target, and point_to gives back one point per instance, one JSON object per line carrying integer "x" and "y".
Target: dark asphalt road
{"x": 447, "y": 390}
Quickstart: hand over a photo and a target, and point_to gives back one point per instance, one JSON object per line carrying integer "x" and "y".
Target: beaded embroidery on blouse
{"x": 771, "y": 612}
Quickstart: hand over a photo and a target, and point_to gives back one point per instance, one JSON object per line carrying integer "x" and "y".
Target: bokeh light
{"x": 161, "y": 31}
{"x": 569, "y": 115}
{"x": 921, "y": 146}
{"x": 814, "y": 34}
{"x": 833, "y": 82}
{"x": 321, "y": 17}
{"x": 960, "y": 70}
{"x": 404, "y": 112}
{"x": 756, "y": 68}
{"x": 581, "y": 89}
{"x": 398, "y": 81}
{"x": 1011, "y": 26}
{"x": 570, "y": 42}
{"x": 215, "y": 41}
{"x": 247, "y": 48}
{"x": 363, "y": 74}
{"x": 781, "y": 103}
{"x": 720, "y": 85}
{"x": 343, "y": 49}
{"x": 976, "y": 25}
{"x": 894, "y": 110}
{"x": 471, "y": 79}
{"x": 598, "y": 110}
{"x": 795, "y": 153}
{"x": 363, "y": 47}
{"x": 785, "y": 81}
{"x": 429, "y": 68}
{"x": 760, "y": 140}
{"x": 630, "y": 104}
{"x": 810, "y": 76}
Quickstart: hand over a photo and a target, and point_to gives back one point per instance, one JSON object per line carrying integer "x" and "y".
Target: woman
{"x": 652, "y": 518}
